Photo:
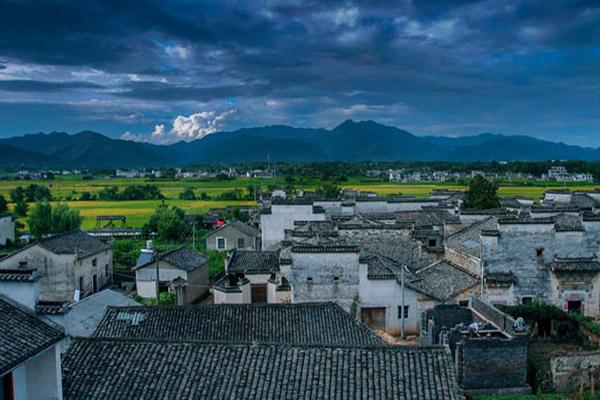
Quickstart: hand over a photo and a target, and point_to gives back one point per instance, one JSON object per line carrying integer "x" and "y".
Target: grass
{"x": 137, "y": 212}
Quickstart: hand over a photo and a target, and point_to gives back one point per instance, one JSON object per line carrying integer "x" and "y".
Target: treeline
{"x": 132, "y": 192}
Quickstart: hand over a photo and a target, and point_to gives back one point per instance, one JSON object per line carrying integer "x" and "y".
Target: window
{"x": 400, "y": 312}
{"x": 23, "y": 264}
{"x": 81, "y": 284}
{"x": 336, "y": 279}
{"x": 309, "y": 279}
{"x": 220, "y": 243}
{"x": 7, "y": 391}
{"x": 539, "y": 252}
{"x": 94, "y": 262}
{"x": 432, "y": 242}
{"x": 463, "y": 303}
{"x": 241, "y": 243}
{"x": 95, "y": 283}
{"x": 526, "y": 299}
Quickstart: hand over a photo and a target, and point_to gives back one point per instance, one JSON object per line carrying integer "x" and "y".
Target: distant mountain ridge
{"x": 349, "y": 141}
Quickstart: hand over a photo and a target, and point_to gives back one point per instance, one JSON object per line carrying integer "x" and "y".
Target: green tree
{"x": 44, "y": 219}
{"x": 40, "y": 219}
{"x": 21, "y": 208}
{"x": 3, "y": 205}
{"x": 167, "y": 222}
{"x": 482, "y": 194}
{"x": 187, "y": 194}
{"x": 17, "y": 195}
{"x": 329, "y": 190}
{"x": 65, "y": 219}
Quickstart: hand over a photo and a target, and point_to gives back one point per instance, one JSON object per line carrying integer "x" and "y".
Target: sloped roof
{"x": 182, "y": 258}
{"x": 108, "y": 369}
{"x": 443, "y": 280}
{"x": 303, "y": 323}
{"x": 254, "y": 262}
{"x": 467, "y": 240}
{"x": 74, "y": 242}
{"x": 22, "y": 335}
{"x": 237, "y": 225}
{"x": 575, "y": 264}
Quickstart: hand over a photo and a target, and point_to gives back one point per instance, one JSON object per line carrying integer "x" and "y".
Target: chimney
{"x": 149, "y": 244}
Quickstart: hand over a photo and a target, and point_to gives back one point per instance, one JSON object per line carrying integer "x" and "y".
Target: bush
{"x": 125, "y": 253}
{"x": 167, "y": 222}
{"x": 187, "y": 194}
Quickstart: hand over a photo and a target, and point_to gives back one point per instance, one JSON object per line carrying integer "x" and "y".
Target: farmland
{"x": 68, "y": 189}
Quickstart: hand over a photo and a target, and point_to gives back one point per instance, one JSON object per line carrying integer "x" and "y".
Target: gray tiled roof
{"x": 575, "y": 264}
{"x": 442, "y": 280}
{"x": 22, "y": 335}
{"x": 18, "y": 275}
{"x": 74, "y": 242}
{"x": 467, "y": 240}
{"x": 254, "y": 262}
{"x": 305, "y": 323}
{"x": 101, "y": 369}
{"x": 238, "y": 225}
{"x": 182, "y": 258}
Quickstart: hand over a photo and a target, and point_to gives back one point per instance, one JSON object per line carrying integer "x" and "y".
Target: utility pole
{"x": 157, "y": 276}
{"x": 194, "y": 236}
{"x": 402, "y": 306}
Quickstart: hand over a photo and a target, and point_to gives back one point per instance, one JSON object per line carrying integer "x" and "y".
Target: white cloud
{"x": 272, "y": 103}
{"x": 188, "y": 128}
{"x": 346, "y": 17}
{"x": 134, "y": 77}
{"x": 178, "y": 51}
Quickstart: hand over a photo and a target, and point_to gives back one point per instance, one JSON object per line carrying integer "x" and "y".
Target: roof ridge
{"x": 169, "y": 341}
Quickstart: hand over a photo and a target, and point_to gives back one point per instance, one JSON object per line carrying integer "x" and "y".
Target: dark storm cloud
{"x": 449, "y": 67}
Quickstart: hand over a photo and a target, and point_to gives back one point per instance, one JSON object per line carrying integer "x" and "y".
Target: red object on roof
{"x": 220, "y": 222}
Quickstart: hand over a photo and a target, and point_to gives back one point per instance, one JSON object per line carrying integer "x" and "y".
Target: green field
{"x": 137, "y": 212}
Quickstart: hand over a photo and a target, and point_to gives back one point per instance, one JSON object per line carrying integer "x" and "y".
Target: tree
{"x": 187, "y": 194}
{"x": 482, "y": 194}
{"x": 17, "y": 194}
{"x": 85, "y": 196}
{"x": 329, "y": 190}
{"x": 40, "y": 219}
{"x": 3, "y": 205}
{"x": 21, "y": 207}
{"x": 44, "y": 220}
{"x": 65, "y": 219}
{"x": 167, "y": 222}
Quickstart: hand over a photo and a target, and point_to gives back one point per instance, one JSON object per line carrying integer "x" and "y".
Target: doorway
{"x": 373, "y": 317}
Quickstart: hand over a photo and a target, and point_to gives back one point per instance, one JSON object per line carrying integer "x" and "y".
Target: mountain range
{"x": 349, "y": 141}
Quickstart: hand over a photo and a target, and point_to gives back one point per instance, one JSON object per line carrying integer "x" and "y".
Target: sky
{"x": 164, "y": 71}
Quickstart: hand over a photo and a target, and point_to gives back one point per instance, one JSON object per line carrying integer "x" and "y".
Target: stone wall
{"x": 282, "y": 217}
{"x": 489, "y": 364}
{"x": 569, "y": 372}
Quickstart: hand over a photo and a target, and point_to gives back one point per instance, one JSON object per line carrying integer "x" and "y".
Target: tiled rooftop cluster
{"x": 308, "y": 323}
{"x": 22, "y": 335}
{"x": 253, "y": 262}
{"x": 183, "y": 370}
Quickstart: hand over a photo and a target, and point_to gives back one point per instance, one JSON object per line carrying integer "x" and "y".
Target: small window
{"x": 220, "y": 243}
{"x": 94, "y": 262}
{"x": 241, "y": 243}
{"x": 539, "y": 252}
{"x": 526, "y": 300}
{"x": 336, "y": 280}
{"x": 23, "y": 264}
{"x": 309, "y": 279}
{"x": 432, "y": 242}
{"x": 463, "y": 303}
{"x": 400, "y": 312}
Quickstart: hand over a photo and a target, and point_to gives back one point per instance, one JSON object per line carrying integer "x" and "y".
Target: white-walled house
{"x": 184, "y": 267}
{"x": 70, "y": 266}
{"x": 234, "y": 235}
{"x": 7, "y": 229}
{"x": 30, "y": 364}
{"x": 252, "y": 277}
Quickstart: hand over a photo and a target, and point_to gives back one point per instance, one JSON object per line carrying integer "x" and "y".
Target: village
{"x": 460, "y": 299}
